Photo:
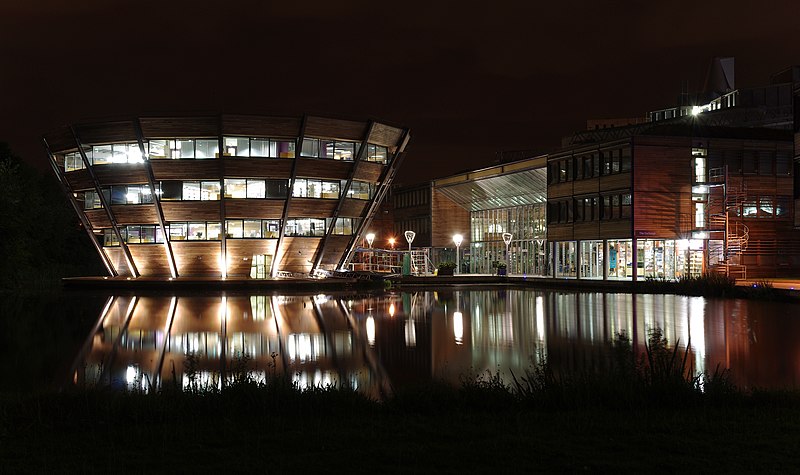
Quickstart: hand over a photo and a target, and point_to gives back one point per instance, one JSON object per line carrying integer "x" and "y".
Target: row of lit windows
{"x": 234, "y": 229}
{"x": 202, "y": 149}
{"x": 234, "y": 188}
{"x": 104, "y": 154}
{"x": 590, "y": 165}
{"x": 594, "y": 208}
{"x": 764, "y": 207}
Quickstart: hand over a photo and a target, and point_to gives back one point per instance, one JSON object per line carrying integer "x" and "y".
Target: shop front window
{"x": 566, "y": 259}
{"x": 592, "y": 259}
{"x": 620, "y": 259}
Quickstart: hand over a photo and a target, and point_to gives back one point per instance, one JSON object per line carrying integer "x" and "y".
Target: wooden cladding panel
{"x": 254, "y": 208}
{"x": 560, "y": 232}
{"x": 185, "y": 169}
{"x": 240, "y": 253}
{"x": 61, "y": 140}
{"x": 323, "y": 168}
{"x": 616, "y": 182}
{"x": 80, "y": 180}
{"x": 150, "y": 259}
{"x": 586, "y": 230}
{"x": 352, "y": 208}
{"x": 334, "y": 249}
{"x": 98, "y": 218}
{"x": 335, "y": 128}
{"x": 767, "y": 185}
{"x": 120, "y": 174}
{"x": 311, "y": 208}
{"x": 197, "y": 258}
{"x": 662, "y": 168}
{"x": 368, "y": 171}
{"x": 769, "y": 229}
{"x": 117, "y": 258}
{"x": 450, "y": 219}
{"x": 190, "y": 210}
{"x": 261, "y": 126}
{"x": 107, "y": 132}
{"x": 258, "y": 167}
{"x": 297, "y": 254}
{"x": 663, "y": 215}
{"x": 619, "y": 229}
{"x": 586, "y": 187}
{"x": 173, "y": 127}
{"x": 560, "y": 190}
{"x": 135, "y": 214}
{"x": 385, "y": 135}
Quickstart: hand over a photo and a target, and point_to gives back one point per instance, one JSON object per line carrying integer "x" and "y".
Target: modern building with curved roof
{"x": 231, "y": 195}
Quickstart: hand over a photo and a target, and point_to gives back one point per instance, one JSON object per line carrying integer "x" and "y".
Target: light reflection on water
{"x": 379, "y": 342}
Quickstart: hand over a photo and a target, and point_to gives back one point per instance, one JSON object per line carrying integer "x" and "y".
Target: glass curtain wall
{"x": 528, "y": 252}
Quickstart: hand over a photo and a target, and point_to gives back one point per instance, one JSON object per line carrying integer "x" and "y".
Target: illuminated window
{"x": 699, "y": 215}
{"x": 699, "y": 162}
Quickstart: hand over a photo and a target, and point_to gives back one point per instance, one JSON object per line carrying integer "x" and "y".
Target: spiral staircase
{"x": 725, "y": 206}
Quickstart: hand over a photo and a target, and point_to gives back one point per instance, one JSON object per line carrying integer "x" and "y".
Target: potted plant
{"x": 501, "y": 268}
{"x": 446, "y": 268}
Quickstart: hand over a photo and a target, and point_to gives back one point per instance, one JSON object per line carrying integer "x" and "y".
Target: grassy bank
{"x": 632, "y": 413}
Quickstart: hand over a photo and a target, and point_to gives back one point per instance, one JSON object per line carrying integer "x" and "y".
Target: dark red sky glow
{"x": 469, "y": 79}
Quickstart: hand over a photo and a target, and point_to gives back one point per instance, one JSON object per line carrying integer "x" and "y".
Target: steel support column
{"x": 151, "y": 180}
{"x": 343, "y": 194}
{"x": 383, "y": 188}
{"x": 106, "y": 204}
{"x": 297, "y": 149}
{"x": 67, "y": 189}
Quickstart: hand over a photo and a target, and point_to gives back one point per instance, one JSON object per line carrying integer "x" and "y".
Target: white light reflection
{"x": 697, "y": 331}
{"x": 371, "y": 331}
{"x": 391, "y": 310}
{"x": 303, "y": 380}
{"x": 458, "y": 327}
{"x": 411, "y": 333}
{"x": 130, "y": 375}
{"x": 540, "y": 317}
{"x": 223, "y": 309}
{"x": 299, "y": 346}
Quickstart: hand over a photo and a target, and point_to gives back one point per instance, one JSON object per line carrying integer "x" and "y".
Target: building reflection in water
{"x": 379, "y": 342}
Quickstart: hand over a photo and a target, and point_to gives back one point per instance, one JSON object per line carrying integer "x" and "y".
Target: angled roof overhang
{"x": 514, "y": 184}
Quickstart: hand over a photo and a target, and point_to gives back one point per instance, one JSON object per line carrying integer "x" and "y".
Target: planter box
{"x": 445, "y": 271}
{"x": 501, "y": 271}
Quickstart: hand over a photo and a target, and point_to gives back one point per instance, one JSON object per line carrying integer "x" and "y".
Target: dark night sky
{"x": 470, "y": 79}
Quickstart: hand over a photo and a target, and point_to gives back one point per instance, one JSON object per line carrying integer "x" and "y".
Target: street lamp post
{"x": 370, "y": 239}
{"x": 410, "y": 238}
{"x": 457, "y": 239}
{"x": 507, "y": 239}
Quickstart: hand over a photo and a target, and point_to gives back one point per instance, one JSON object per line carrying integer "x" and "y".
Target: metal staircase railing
{"x": 421, "y": 262}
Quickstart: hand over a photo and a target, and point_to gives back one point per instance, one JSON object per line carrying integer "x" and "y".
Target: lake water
{"x": 379, "y": 342}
